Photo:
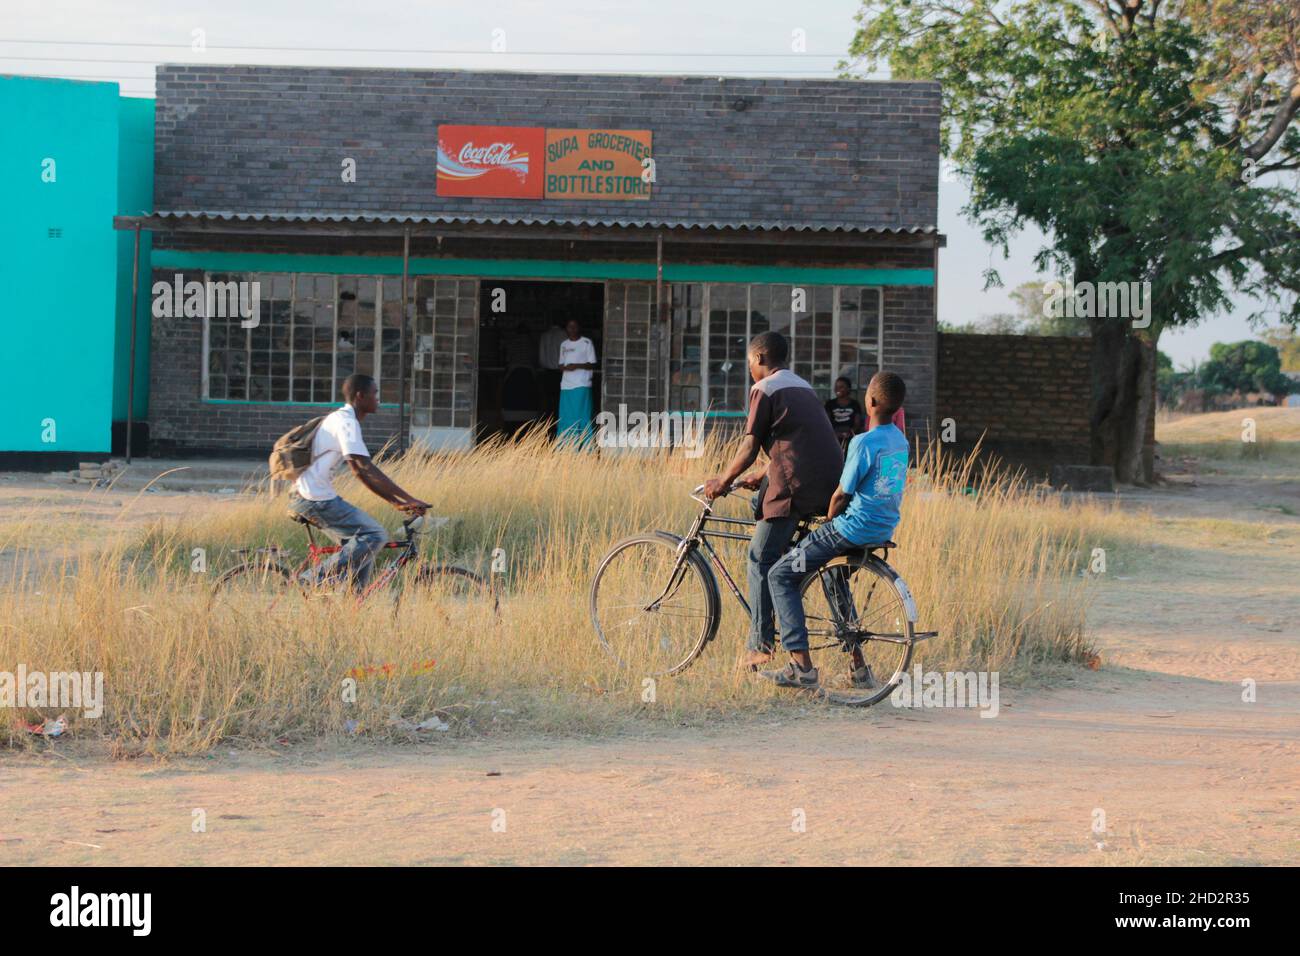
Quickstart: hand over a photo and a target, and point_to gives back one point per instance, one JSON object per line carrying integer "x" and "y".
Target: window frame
{"x": 205, "y": 385}
{"x": 706, "y": 309}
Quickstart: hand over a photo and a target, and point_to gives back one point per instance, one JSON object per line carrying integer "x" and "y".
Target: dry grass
{"x": 998, "y": 573}
{"x": 1226, "y": 437}
{"x": 1272, "y": 423}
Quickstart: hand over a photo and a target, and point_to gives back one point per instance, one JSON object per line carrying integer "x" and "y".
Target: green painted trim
{"x": 782, "y": 275}
{"x": 247, "y": 401}
{"x": 531, "y": 269}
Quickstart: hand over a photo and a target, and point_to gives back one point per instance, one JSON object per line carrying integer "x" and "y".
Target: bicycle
{"x": 261, "y": 572}
{"x": 671, "y": 593}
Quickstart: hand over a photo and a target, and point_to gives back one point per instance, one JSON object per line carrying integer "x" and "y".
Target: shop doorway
{"x": 515, "y": 389}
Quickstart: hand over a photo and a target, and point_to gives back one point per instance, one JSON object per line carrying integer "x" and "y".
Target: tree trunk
{"x": 1123, "y": 399}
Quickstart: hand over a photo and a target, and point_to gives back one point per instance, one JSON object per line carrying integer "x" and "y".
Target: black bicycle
{"x": 655, "y": 605}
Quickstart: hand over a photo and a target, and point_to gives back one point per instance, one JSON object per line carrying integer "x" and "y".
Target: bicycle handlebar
{"x": 707, "y": 502}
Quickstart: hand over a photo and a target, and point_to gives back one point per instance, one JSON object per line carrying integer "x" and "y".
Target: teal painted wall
{"x": 59, "y": 319}
{"x": 134, "y": 198}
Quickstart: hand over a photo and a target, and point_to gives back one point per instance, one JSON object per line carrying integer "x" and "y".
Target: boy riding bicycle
{"x": 339, "y": 439}
{"x": 863, "y": 510}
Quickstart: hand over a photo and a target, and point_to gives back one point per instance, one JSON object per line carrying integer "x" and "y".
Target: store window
{"x": 312, "y": 332}
{"x": 832, "y": 330}
{"x": 632, "y": 369}
{"x": 443, "y": 359}
{"x": 686, "y": 368}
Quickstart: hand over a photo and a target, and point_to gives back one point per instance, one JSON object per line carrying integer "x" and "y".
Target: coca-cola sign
{"x": 492, "y": 161}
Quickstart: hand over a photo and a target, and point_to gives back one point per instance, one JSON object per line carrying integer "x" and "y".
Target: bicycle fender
{"x": 909, "y": 603}
{"x": 710, "y": 579}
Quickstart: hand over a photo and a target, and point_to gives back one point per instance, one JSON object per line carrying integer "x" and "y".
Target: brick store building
{"x": 674, "y": 217}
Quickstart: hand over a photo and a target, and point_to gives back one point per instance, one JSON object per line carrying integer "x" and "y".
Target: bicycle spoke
{"x": 694, "y": 611}
{"x": 841, "y": 603}
{"x": 640, "y": 626}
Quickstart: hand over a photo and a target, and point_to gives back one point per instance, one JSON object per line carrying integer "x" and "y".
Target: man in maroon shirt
{"x": 788, "y": 421}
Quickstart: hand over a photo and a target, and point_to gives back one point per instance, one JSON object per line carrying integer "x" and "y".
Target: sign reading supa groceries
{"x": 507, "y": 162}
{"x": 597, "y": 164}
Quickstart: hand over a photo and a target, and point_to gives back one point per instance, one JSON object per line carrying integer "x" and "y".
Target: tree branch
{"x": 1103, "y": 7}
{"x": 1281, "y": 120}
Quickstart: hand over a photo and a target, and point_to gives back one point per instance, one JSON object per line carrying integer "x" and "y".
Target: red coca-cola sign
{"x": 494, "y": 161}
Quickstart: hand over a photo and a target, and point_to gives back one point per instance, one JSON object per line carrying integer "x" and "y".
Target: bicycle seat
{"x": 302, "y": 519}
{"x": 880, "y": 544}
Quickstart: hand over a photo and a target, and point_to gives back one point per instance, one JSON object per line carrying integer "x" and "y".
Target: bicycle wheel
{"x": 447, "y": 588}
{"x": 653, "y": 611}
{"x": 260, "y": 589}
{"x": 854, "y": 603}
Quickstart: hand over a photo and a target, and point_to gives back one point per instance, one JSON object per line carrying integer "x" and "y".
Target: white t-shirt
{"x": 338, "y": 437}
{"x": 577, "y": 352}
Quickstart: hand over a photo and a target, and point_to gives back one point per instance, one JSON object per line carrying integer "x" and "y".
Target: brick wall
{"x": 1027, "y": 395}
{"x": 736, "y": 151}
{"x": 910, "y": 342}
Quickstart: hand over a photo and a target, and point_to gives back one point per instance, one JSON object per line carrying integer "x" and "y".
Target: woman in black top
{"x": 845, "y": 411}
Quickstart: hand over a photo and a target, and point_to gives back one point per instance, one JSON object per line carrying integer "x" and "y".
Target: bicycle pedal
{"x": 924, "y": 635}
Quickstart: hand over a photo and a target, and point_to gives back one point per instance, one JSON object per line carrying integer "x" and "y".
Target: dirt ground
{"x": 1158, "y": 747}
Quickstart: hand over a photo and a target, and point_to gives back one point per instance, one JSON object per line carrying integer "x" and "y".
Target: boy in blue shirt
{"x": 863, "y": 510}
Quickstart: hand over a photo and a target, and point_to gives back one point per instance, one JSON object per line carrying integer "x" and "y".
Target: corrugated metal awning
{"x": 395, "y": 218}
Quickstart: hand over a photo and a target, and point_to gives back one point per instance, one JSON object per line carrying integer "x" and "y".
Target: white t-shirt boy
{"x": 338, "y": 437}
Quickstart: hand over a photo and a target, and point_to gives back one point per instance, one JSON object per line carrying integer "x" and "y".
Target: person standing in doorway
{"x": 577, "y": 362}
{"x": 548, "y": 361}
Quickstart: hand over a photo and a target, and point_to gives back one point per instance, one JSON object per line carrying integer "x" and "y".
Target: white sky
{"x": 122, "y": 40}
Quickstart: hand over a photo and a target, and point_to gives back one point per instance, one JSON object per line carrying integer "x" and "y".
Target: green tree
{"x": 1036, "y": 318}
{"x": 1172, "y": 384}
{"x": 1133, "y": 133}
{"x": 996, "y": 323}
{"x": 1287, "y": 343}
{"x": 1244, "y": 367}
{"x": 1166, "y": 382}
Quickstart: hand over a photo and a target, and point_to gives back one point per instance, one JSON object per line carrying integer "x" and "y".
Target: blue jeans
{"x": 770, "y": 539}
{"x": 360, "y": 535}
{"x": 788, "y": 573}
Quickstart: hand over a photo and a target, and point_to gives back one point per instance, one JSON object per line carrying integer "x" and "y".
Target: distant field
{"x": 1271, "y": 423}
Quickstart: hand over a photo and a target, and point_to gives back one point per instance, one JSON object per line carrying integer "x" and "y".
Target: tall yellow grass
{"x": 997, "y": 569}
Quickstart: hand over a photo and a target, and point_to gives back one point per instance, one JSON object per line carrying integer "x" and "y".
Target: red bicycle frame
{"x": 316, "y": 552}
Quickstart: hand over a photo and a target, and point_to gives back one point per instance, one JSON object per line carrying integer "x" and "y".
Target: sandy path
{"x": 1160, "y": 740}
{"x": 1182, "y": 778}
